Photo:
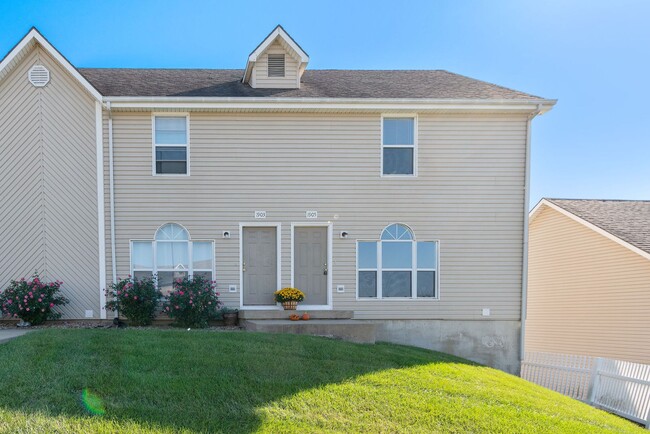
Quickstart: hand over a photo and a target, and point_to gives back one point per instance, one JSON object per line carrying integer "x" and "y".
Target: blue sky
{"x": 594, "y": 57}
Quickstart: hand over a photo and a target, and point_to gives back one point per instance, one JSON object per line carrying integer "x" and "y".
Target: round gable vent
{"x": 39, "y": 76}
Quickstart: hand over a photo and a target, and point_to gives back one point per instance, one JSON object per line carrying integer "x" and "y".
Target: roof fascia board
{"x": 278, "y": 32}
{"x": 546, "y": 203}
{"x": 536, "y": 209}
{"x": 35, "y": 35}
{"x": 527, "y": 106}
{"x": 15, "y": 51}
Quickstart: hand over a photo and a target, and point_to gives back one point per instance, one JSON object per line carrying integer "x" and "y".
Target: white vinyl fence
{"x": 620, "y": 387}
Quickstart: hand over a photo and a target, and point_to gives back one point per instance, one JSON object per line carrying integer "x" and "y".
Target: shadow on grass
{"x": 178, "y": 380}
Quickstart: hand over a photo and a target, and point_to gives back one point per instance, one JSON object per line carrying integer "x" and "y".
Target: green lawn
{"x": 142, "y": 381}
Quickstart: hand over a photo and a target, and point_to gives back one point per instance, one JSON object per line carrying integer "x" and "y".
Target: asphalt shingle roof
{"x": 435, "y": 84}
{"x": 628, "y": 220}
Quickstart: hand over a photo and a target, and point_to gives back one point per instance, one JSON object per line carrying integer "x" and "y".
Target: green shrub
{"x": 32, "y": 300}
{"x": 135, "y": 299}
{"x": 193, "y": 302}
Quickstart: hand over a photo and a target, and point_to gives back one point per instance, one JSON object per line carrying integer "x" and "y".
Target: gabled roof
{"x": 292, "y": 47}
{"x": 25, "y": 45}
{"x": 404, "y": 87}
{"x": 436, "y": 84}
{"x": 625, "y": 221}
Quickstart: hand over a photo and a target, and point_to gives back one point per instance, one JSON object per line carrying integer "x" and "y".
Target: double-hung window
{"x": 170, "y": 140}
{"x": 172, "y": 255}
{"x": 397, "y": 266}
{"x": 398, "y": 146}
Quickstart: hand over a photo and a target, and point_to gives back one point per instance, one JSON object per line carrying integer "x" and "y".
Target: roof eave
{"x": 386, "y": 105}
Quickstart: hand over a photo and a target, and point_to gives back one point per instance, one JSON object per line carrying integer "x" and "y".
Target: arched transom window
{"x": 172, "y": 255}
{"x": 397, "y": 266}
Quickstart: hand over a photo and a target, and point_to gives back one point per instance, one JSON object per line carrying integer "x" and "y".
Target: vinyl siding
{"x": 586, "y": 294}
{"x": 260, "y": 73}
{"x": 48, "y": 178}
{"x": 469, "y": 195}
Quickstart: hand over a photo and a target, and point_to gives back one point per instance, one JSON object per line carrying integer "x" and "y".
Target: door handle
{"x": 325, "y": 269}
{"x": 243, "y": 268}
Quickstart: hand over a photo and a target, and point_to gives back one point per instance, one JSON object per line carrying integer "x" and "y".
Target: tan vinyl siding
{"x": 469, "y": 195}
{"x": 260, "y": 72}
{"x": 48, "y": 178}
{"x": 586, "y": 294}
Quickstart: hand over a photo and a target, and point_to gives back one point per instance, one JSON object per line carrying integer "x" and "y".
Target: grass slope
{"x": 179, "y": 381}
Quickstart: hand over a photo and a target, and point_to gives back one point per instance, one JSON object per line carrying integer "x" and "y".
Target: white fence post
{"x": 616, "y": 386}
{"x": 593, "y": 381}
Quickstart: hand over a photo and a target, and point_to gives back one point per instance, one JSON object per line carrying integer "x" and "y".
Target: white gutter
{"x": 111, "y": 183}
{"x": 524, "y": 271}
{"x": 381, "y": 104}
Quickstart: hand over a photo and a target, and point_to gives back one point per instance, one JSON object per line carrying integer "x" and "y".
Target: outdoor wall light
{"x": 226, "y": 234}
{"x": 344, "y": 234}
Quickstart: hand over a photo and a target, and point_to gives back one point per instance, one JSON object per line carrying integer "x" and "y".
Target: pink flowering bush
{"x": 32, "y": 300}
{"x": 135, "y": 299}
{"x": 193, "y": 302}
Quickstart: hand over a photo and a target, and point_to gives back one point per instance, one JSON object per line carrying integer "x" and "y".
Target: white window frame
{"x": 414, "y": 146}
{"x": 414, "y": 269}
{"x": 190, "y": 270}
{"x": 155, "y": 115}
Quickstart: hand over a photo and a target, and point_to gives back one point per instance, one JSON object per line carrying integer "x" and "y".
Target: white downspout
{"x": 524, "y": 272}
{"x": 111, "y": 183}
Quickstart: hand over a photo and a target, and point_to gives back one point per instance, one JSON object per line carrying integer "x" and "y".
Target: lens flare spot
{"x": 92, "y": 403}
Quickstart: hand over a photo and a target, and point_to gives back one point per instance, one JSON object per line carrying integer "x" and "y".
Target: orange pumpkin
{"x": 305, "y": 316}
{"x": 294, "y": 317}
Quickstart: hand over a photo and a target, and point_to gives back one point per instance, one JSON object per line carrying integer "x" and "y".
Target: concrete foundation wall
{"x": 492, "y": 343}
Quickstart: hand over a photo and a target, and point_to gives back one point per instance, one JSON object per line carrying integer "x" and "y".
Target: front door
{"x": 259, "y": 265}
{"x": 310, "y": 263}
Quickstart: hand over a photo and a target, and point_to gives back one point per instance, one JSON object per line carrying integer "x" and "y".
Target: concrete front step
{"x": 348, "y": 330}
{"x": 284, "y": 314}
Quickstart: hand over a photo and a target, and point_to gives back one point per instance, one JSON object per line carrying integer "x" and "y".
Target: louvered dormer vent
{"x": 39, "y": 76}
{"x": 276, "y": 65}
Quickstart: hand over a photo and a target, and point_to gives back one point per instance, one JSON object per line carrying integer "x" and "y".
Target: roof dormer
{"x": 277, "y": 63}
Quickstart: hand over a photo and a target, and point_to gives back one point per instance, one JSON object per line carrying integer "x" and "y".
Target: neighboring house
{"x": 589, "y": 278}
{"x": 398, "y": 195}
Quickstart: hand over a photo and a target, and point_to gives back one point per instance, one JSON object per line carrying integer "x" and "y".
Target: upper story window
{"x": 170, "y": 140}
{"x": 276, "y": 65}
{"x": 170, "y": 256}
{"x": 398, "y": 142}
{"x": 397, "y": 266}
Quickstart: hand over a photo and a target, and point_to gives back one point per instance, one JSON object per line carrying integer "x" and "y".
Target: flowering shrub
{"x": 135, "y": 299}
{"x": 193, "y": 302}
{"x": 289, "y": 294}
{"x": 32, "y": 300}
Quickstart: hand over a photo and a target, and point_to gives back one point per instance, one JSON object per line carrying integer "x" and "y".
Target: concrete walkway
{"x": 8, "y": 334}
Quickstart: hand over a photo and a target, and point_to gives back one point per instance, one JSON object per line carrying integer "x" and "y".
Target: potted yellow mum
{"x": 289, "y": 297}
